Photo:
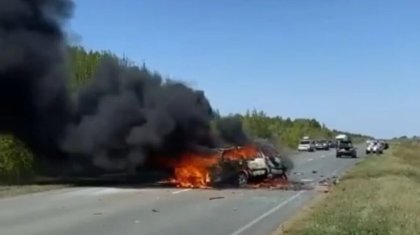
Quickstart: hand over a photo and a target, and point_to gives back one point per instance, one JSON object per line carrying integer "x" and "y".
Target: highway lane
{"x": 110, "y": 210}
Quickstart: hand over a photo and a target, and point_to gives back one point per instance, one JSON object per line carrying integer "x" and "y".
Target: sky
{"x": 353, "y": 65}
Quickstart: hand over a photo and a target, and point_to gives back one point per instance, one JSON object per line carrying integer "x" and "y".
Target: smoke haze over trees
{"x": 66, "y": 102}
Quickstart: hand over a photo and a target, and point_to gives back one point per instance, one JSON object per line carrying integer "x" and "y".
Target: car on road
{"x": 378, "y": 148}
{"x": 306, "y": 145}
{"x": 370, "y": 146}
{"x": 331, "y": 143}
{"x": 385, "y": 145}
{"x": 322, "y": 145}
{"x": 346, "y": 148}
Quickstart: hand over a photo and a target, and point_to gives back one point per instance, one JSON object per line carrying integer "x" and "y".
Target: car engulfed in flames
{"x": 234, "y": 166}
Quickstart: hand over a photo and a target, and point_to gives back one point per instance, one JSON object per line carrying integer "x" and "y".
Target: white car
{"x": 379, "y": 148}
{"x": 370, "y": 147}
{"x": 306, "y": 145}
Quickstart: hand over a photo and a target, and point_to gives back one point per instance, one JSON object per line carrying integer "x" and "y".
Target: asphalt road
{"x": 159, "y": 211}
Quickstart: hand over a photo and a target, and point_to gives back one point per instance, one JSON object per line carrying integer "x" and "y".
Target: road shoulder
{"x": 16, "y": 190}
{"x": 369, "y": 199}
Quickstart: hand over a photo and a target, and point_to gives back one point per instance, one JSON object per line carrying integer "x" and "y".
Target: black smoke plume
{"x": 124, "y": 116}
{"x": 34, "y": 103}
{"x": 128, "y": 113}
{"x": 231, "y": 130}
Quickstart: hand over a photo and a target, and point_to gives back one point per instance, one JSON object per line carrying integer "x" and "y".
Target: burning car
{"x": 239, "y": 172}
{"x": 234, "y": 166}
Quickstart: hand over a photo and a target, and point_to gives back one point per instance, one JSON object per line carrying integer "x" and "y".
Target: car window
{"x": 345, "y": 143}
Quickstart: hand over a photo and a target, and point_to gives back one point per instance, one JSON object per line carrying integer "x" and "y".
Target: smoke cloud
{"x": 231, "y": 131}
{"x": 125, "y": 115}
{"x": 128, "y": 113}
{"x": 34, "y": 103}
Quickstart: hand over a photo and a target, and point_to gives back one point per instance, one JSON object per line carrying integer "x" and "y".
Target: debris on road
{"x": 324, "y": 189}
{"x": 213, "y": 198}
{"x": 325, "y": 185}
{"x": 314, "y": 172}
{"x": 276, "y": 183}
{"x": 97, "y": 213}
{"x": 154, "y": 210}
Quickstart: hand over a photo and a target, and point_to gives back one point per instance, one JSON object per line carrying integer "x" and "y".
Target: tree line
{"x": 16, "y": 161}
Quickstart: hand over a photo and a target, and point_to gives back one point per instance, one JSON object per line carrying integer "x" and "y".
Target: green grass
{"x": 381, "y": 195}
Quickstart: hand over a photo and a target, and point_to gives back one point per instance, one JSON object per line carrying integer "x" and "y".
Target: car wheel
{"x": 337, "y": 156}
{"x": 242, "y": 180}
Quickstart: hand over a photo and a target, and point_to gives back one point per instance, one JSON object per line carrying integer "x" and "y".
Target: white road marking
{"x": 181, "y": 191}
{"x": 307, "y": 180}
{"x": 115, "y": 191}
{"x": 271, "y": 211}
{"x": 81, "y": 192}
{"x": 310, "y": 159}
{"x": 105, "y": 191}
{"x": 98, "y": 191}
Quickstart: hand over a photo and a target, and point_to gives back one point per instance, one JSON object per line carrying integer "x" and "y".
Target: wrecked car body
{"x": 239, "y": 172}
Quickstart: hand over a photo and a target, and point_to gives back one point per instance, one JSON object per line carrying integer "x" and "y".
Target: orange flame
{"x": 193, "y": 170}
{"x": 240, "y": 153}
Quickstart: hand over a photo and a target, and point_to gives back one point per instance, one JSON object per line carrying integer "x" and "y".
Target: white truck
{"x": 341, "y": 137}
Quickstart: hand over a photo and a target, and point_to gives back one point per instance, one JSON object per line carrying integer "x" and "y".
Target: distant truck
{"x": 345, "y": 148}
{"x": 342, "y": 137}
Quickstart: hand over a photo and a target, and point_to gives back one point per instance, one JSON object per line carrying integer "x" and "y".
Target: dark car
{"x": 345, "y": 148}
{"x": 322, "y": 145}
{"x": 384, "y": 144}
{"x": 331, "y": 143}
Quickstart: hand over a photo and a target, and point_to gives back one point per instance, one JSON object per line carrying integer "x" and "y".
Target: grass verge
{"x": 15, "y": 190}
{"x": 381, "y": 195}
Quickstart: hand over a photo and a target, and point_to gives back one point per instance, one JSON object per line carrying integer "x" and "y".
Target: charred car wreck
{"x": 238, "y": 172}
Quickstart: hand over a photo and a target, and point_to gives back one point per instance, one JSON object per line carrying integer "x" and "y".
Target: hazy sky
{"x": 354, "y": 65}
